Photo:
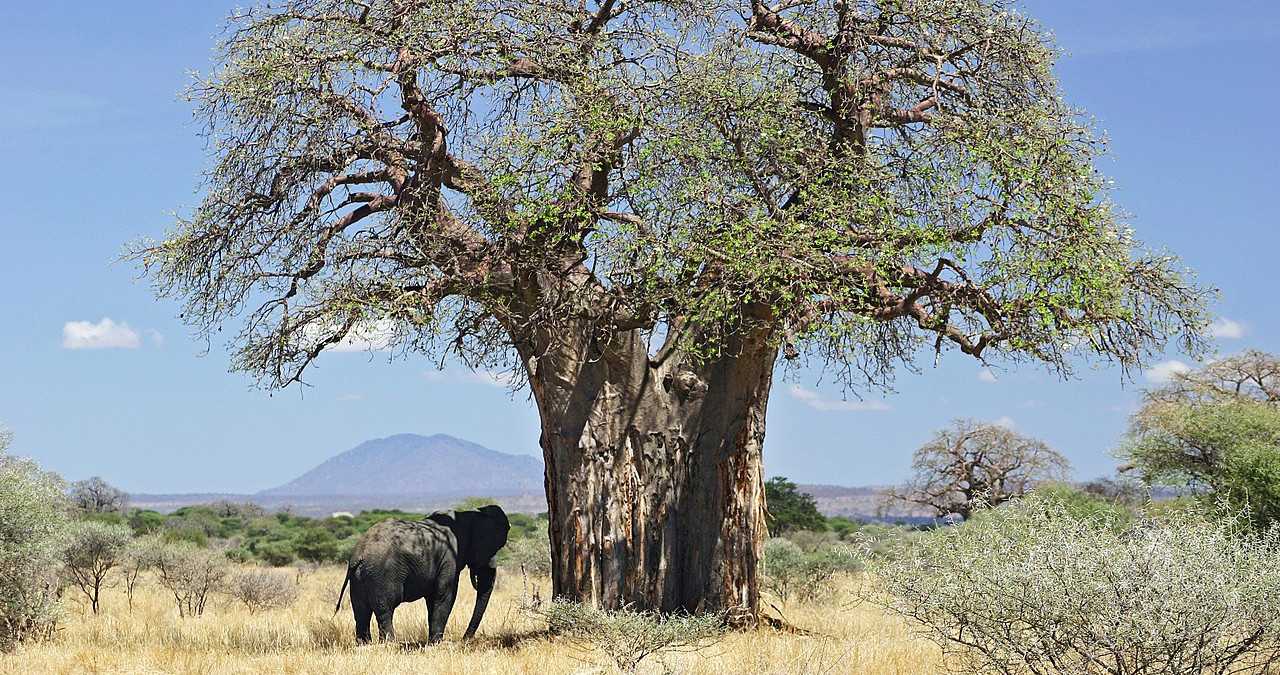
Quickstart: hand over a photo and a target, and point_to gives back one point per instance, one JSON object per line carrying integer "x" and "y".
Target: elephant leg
{"x": 363, "y": 615}
{"x": 439, "y": 606}
{"x": 386, "y": 624}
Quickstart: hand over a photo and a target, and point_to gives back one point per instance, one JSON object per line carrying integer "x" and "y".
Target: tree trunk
{"x": 653, "y": 473}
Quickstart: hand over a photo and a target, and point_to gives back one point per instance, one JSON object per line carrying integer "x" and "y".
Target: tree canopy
{"x": 637, "y": 208}
{"x": 94, "y": 495}
{"x": 1217, "y": 430}
{"x": 791, "y": 509}
{"x": 861, "y": 178}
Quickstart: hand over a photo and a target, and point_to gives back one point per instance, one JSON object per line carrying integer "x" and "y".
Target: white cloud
{"x": 374, "y": 337}
{"x": 985, "y": 375}
{"x": 816, "y": 401}
{"x": 1006, "y": 422}
{"x": 1165, "y": 370}
{"x": 157, "y": 338}
{"x": 105, "y": 334}
{"x": 1226, "y": 329}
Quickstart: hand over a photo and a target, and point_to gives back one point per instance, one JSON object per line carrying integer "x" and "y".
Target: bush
{"x": 316, "y": 545}
{"x": 91, "y": 550}
{"x": 789, "y": 570}
{"x": 33, "y": 517}
{"x": 810, "y": 541}
{"x": 531, "y": 554}
{"x": 191, "y": 574}
{"x": 142, "y": 554}
{"x": 1081, "y": 503}
{"x": 882, "y": 540}
{"x": 627, "y": 636}
{"x": 275, "y": 553}
{"x": 1029, "y": 588}
{"x": 145, "y": 521}
{"x": 263, "y": 589}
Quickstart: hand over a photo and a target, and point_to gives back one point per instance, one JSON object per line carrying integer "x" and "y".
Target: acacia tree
{"x": 972, "y": 464}
{"x": 638, "y": 207}
{"x": 91, "y": 551}
{"x": 1214, "y": 429}
{"x": 1251, "y": 375}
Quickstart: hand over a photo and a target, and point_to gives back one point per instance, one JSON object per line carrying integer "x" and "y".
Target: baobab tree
{"x": 639, "y": 208}
{"x": 94, "y": 495}
{"x": 972, "y": 464}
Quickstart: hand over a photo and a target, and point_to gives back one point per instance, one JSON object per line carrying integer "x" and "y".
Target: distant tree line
{"x": 247, "y": 533}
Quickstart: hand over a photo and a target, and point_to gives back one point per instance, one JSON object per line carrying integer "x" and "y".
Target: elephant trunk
{"x": 483, "y": 580}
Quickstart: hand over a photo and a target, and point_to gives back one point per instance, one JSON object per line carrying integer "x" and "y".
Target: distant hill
{"x": 424, "y": 473}
{"x": 862, "y": 503}
{"x": 409, "y": 465}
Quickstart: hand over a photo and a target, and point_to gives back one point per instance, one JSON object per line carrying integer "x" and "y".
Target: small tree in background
{"x": 316, "y": 545}
{"x": 790, "y": 509}
{"x": 33, "y": 517}
{"x": 1216, "y": 430}
{"x": 90, "y": 551}
{"x": 972, "y": 463}
{"x": 94, "y": 495}
{"x": 142, "y": 554}
{"x": 191, "y": 574}
{"x": 258, "y": 590}
{"x": 1253, "y": 375}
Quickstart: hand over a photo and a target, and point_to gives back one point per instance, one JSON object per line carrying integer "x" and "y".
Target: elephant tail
{"x": 345, "y": 580}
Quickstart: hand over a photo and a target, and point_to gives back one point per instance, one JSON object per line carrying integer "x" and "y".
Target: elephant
{"x": 401, "y": 561}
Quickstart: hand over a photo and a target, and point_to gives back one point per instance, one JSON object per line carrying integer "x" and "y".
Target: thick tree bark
{"x": 653, "y": 473}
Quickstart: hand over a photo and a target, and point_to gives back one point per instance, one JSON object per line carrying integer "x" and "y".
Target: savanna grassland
{"x": 835, "y": 636}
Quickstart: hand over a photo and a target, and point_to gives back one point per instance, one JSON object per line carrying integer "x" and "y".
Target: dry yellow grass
{"x": 305, "y": 639}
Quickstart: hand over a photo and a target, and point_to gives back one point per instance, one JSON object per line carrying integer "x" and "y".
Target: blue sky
{"x": 101, "y": 151}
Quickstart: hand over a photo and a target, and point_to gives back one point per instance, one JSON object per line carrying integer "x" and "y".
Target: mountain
{"x": 862, "y": 503}
{"x": 436, "y": 466}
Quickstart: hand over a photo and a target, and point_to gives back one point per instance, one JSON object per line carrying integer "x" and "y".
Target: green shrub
{"x": 276, "y": 554}
{"x": 145, "y": 521}
{"x": 1029, "y": 588}
{"x": 790, "y": 571}
{"x": 531, "y": 554}
{"x": 33, "y": 518}
{"x": 627, "y": 637}
{"x": 1079, "y": 504}
{"x": 316, "y": 545}
{"x": 524, "y": 525}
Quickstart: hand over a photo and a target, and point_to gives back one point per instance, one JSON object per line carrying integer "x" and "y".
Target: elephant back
{"x": 396, "y": 538}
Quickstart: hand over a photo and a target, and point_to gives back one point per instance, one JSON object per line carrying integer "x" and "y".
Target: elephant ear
{"x": 489, "y": 529}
